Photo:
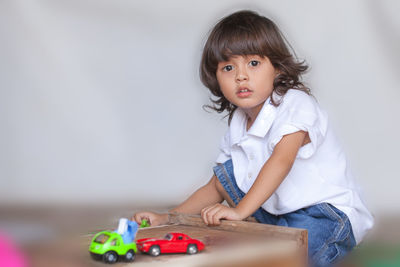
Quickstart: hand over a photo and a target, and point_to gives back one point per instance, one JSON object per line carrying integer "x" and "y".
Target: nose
{"x": 241, "y": 75}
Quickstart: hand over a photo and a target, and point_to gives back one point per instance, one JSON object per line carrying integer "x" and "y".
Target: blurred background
{"x": 101, "y": 102}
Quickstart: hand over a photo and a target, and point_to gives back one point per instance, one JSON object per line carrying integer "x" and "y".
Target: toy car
{"x": 171, "y": 243}
{"x": 110, "y": 246}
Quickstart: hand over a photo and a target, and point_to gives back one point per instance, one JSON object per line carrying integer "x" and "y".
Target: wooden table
{"x": 233, "y": 243}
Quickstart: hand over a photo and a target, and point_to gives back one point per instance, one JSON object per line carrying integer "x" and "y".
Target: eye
{"x": 227, "y": 68}
{"x": 254, "y": 63}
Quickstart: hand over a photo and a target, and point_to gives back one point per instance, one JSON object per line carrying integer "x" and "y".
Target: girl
{"x": 279, "y": 159}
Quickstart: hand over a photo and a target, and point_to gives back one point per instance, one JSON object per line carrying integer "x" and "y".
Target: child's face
{"x": 246, "y": 81}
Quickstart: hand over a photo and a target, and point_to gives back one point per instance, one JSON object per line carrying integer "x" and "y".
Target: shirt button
{"x": 251, "y": 156}
{"x": 249, "y": 175}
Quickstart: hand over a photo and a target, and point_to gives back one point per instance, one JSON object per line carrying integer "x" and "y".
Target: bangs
{"x": 237, "y": 41}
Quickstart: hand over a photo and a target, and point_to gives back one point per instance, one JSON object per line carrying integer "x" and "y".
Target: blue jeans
{"x": 330, "y": 235}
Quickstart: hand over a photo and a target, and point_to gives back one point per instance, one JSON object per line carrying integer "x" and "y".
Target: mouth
{"x": 244, "y": 92}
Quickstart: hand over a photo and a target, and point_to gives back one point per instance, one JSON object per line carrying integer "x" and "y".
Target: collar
{"x": 260, "y": 127}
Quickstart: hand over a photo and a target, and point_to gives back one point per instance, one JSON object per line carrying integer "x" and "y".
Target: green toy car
{"x": 109, "y": 247}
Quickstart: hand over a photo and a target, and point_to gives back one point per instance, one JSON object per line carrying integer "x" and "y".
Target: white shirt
{"x": 320, "y": 172}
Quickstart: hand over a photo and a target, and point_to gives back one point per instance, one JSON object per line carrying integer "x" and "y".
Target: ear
{"x": 277, "y": 70}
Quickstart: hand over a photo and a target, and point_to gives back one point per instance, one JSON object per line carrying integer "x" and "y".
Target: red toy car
{"x": 171, "y": 243}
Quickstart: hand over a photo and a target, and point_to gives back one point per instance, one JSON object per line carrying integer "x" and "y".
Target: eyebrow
{"x": 245, "y": 56}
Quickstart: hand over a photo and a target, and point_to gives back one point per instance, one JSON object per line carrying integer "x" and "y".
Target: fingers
{"x": 212, "y": 215}
{"x": 204, "y": 213}
{"x": 152, "y": 218}
{"x": 133, "y": 218}
{"x": 138, "y": 217}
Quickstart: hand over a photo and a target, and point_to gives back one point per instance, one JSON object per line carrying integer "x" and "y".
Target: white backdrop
{"x": 100, "y": 101}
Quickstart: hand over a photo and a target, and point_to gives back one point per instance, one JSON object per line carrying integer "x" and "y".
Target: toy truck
{"x": 112, "y": 246}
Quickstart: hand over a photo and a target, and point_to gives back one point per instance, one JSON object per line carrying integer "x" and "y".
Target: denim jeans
{"x": 330, "y": 235}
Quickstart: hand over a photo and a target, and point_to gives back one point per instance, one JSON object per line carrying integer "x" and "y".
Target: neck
{"x": 252, "y": 114}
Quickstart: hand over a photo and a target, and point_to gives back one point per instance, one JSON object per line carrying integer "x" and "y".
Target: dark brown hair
{"x": 247, "y": 33}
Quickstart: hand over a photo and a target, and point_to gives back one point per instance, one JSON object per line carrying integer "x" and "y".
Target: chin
{"x": 249, "y": 105}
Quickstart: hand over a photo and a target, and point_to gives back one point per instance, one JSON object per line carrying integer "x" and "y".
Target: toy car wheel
{"x": 154, "y": 251}
{"x": 130, "y": 255}
{"x": 191, "y": 249}
{"x": 110, "y": 257}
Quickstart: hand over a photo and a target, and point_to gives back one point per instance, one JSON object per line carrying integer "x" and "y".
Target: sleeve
{"x": 225, "y": 151}
{"x": 300, "y": 112}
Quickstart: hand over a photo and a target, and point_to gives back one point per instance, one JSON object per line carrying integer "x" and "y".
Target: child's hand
{"x": 153, "y": 218}
{"x": 213, "y": 214}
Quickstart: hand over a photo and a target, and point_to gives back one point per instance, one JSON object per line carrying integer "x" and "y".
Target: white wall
{"x": 101, "y": 100}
